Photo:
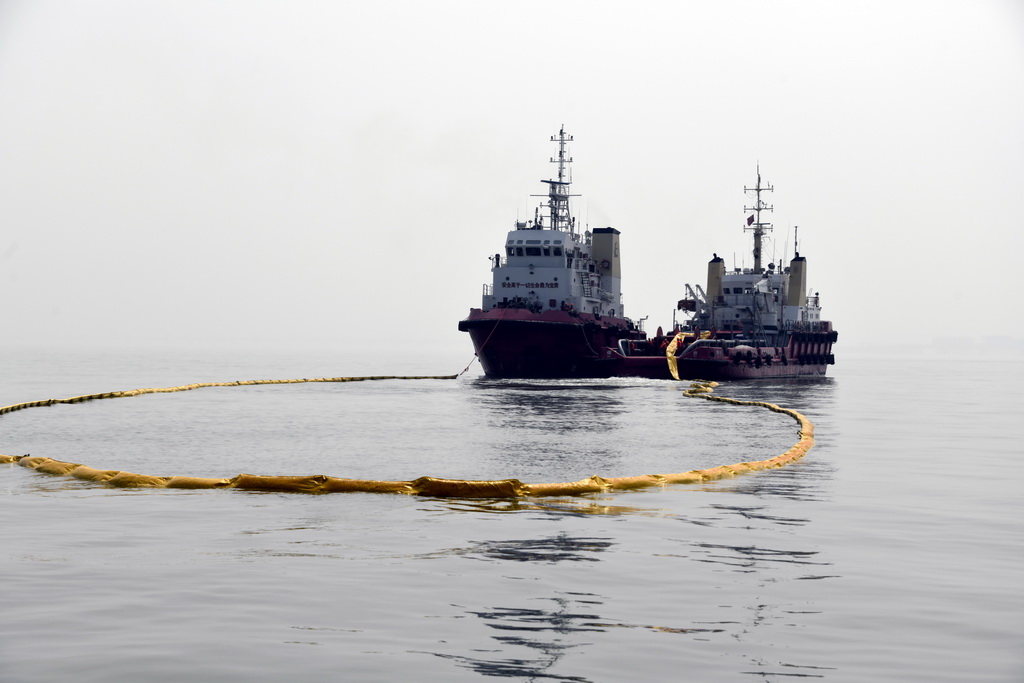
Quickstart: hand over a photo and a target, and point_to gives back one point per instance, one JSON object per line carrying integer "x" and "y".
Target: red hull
{"x": 807, "y": 354}
{"x": 656, "y": 367}
{"x": 517, "y": 343}
{"x": 514, "y": 342}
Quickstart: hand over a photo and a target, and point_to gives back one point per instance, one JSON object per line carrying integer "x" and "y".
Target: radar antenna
{"x": 558, "y": 190}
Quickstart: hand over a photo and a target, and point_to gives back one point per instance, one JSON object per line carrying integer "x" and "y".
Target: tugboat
{"x": 750, "y": 323}
{"x": 554, "y": 306}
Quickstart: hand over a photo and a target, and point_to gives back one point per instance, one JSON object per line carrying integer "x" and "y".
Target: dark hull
{"x": 656, "y": 367}
{"x": 516, "y": 343}
{"x": 805, "y": 354}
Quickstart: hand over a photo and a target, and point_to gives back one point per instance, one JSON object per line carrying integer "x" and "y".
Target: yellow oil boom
{"x": 423, "y": 486}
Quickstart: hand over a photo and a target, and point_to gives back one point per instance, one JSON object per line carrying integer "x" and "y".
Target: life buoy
{"x": 606, "y": 264}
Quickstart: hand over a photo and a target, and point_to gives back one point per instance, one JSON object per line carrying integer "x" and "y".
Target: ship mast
{"x": 754, "y": 222}
{"x": 558, "y": 190}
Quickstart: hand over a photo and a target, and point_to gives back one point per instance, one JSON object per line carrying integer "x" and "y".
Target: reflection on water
{"x": 752, "y": 558}
{"x": 861, "y": 547}
{"x": 562, "y": 618}
{"x": 556, "y": 507}
{"x": 758, "y": 513}
{"x": 794, "y": 392}
{"x": 550, "y": 550}
{"x": 809, "y": 479}
{"x": 559, "y": 406}
{"x": 560, "y": 548}
{"x": 546, "y": 627}
{"x": 549, "y": 633}
{"x": 568, "y": 429}
{"x": 541, "y": 630}
{"x": 620, "y": 428}
{"x": 805, "y": 480}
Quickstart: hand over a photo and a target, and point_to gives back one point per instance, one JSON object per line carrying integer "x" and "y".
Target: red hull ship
{"x": 516, "y": 342}
{"x": 554, "y": 309}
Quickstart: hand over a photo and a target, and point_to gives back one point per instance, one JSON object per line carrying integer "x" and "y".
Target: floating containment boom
{"x": 423, "y": 486}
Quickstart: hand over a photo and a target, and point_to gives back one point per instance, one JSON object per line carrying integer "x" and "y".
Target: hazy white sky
{"x": 329, "y": 174}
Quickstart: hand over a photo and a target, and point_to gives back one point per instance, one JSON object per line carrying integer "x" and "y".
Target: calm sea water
{"x": 892, "y": 552}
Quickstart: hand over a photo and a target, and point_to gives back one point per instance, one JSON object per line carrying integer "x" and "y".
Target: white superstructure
{"x": 548, "y": 265}
{"x": 763, "y": 305}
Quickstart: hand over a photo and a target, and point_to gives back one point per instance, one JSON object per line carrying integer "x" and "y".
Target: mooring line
{"x": 423, "y": 486}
